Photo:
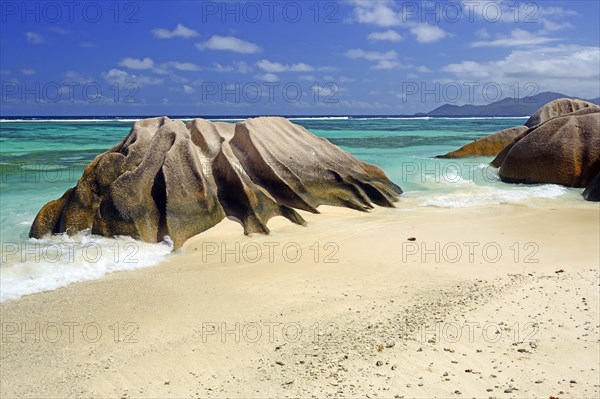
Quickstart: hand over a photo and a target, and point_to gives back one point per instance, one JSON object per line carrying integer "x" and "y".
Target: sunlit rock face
{"x": 558, "y": 107}
{"x": 563, "y": 150}
{"x": 170, "y": 179}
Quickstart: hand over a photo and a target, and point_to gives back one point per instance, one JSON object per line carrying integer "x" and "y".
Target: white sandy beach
{"x": 362, "y": 199}
{"x": 364, "y": 316}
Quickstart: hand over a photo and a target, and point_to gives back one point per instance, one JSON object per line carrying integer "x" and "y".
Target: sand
{"x": 360, "y": 312}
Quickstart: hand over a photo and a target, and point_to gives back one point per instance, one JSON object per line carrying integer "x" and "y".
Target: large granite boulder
{"x": 488, "y": 146}
{"x": 559, "y": 107}
{"x": 564, "y": 150}
{"x": 167, "y": 178}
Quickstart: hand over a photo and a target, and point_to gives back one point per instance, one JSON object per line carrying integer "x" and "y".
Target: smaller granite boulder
{"x": 488, "y": 146}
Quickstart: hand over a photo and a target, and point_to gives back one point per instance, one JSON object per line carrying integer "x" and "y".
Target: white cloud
{"x": 28, "y": 71}
{"x": 548, "y": 14}
{"x": 73, "y": 76}
{"x": 277, "y": 67}
{"x": 426, "y": 33}
{"x": 475, "y": 69}
{"x": 237, "y": 66}
{"x": 328, "y": 90}
{"x": 327, "y": 69}
{"x": 268, "y": 77}
{"x": 387, "y": 60}
{"x": 178, "y": 79}
{"x": 339, "y": 79}
{"x": 188, "y": 89}
{"x": 121, "y": 77}
{"x": 233, "y": 86}
{"x": 389, "y": 35}
{"x": 242, "y": 67}
{"x": 378, "y": 13}
{"x": 390, "y": 64}
{"x": 35, "y": 38}
{"x": 517, "y": 37}
{"x": 223, "y": 68}
{"x": 388, "y": 13}
{"x": 136, "y": 63}
{"x": 423, "y": 69}
{"x": 556, "y": 12}
{"x": 184, "y": 66}
{"x": 166, "y": 68}
{"x": 384, "y": 14}
{"x": 482, "y": 33}
{"x": 371, "y": 55}
{"x": 179, "y": 31}
{"x": 553, "y": 26}
{"x": 492, "y": 11}
{"x": 228, "y": 43}
{"x": 573, "y": 70}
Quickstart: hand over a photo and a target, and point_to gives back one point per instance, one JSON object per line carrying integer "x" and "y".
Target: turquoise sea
{"x": 40, "y": 159}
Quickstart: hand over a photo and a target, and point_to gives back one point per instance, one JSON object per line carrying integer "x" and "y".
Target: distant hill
{"x": 507, "y": 107}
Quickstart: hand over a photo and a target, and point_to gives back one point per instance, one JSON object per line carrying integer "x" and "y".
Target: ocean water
{"x": 40, "y": 159}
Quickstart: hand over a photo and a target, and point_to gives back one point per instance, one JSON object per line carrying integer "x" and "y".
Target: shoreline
{"x": 190, "y": 326}
{"x": 122, "y": 251}
{"x": 94, "y": 255}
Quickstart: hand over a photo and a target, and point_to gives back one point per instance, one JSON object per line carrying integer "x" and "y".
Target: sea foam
{"x": 482, "y": 195}
{"x": 46, "y": 264}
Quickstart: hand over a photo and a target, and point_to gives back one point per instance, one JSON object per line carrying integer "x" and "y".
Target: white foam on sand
{"x": 49, "y": 263}
{"x": 452, "y": 190}
{"x": 482, "y": 195}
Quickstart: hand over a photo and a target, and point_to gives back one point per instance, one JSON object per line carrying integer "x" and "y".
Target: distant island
{"x": 506, "y": 107}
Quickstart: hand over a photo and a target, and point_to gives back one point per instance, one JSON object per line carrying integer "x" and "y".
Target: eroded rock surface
{"x": 168, "y": 178}
{"x": 564, "y": 150}
{"x": 559, "y": 107}
{"x": 488, "y": 146}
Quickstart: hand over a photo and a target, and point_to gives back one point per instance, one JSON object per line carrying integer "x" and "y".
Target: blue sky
{"x": 290, "y": 57}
